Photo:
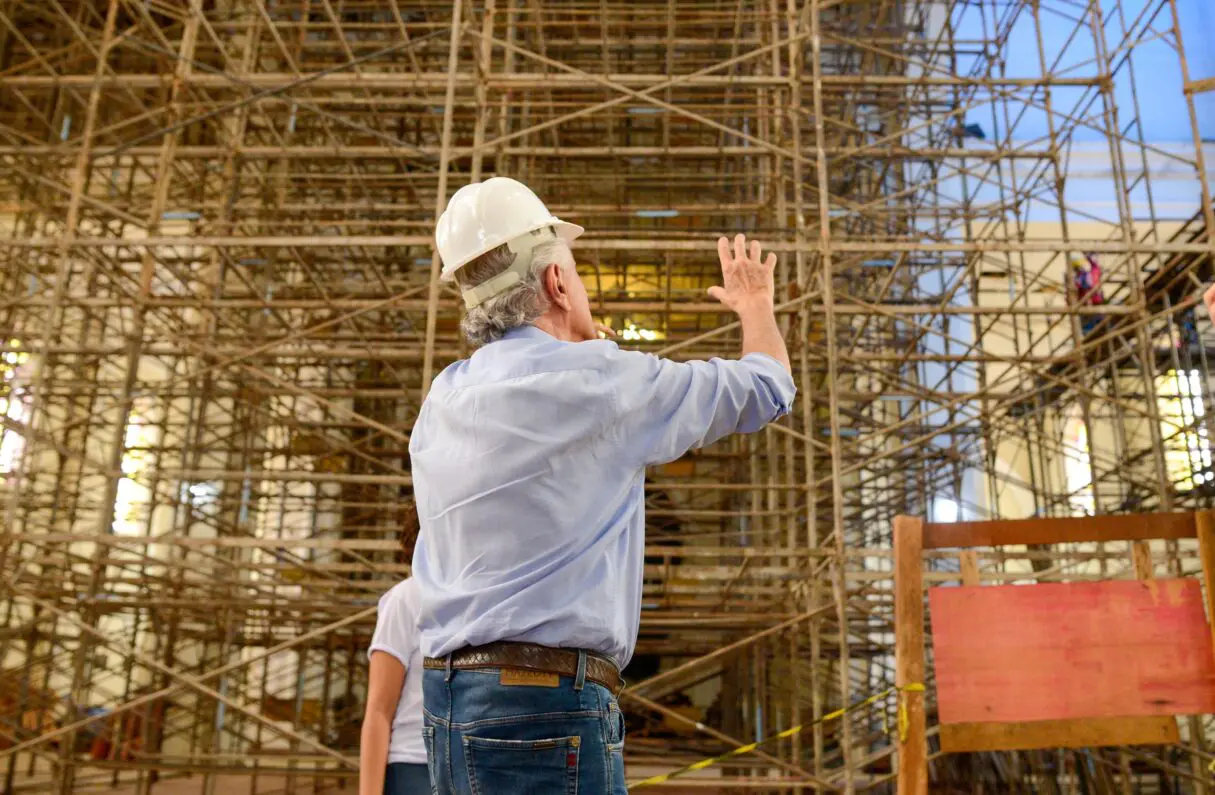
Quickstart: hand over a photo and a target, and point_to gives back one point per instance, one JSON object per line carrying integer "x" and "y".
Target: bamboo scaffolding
{"x": 220, "y": 312}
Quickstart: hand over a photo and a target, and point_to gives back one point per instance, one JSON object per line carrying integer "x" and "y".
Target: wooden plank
{"x": 1072, "y": 650}
{"x": 1126, "y": 527}
{"x": 1075, "y": 733}
{"x": 909, "y": 652}
{"x": 1206, "y": 554}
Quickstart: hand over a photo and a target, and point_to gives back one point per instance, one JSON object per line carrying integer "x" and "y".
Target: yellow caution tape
{"x": 904, "y": 721}
{"x": 915, "y": 687}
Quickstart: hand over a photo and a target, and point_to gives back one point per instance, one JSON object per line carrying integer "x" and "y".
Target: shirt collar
{"x": 526, "y": 332}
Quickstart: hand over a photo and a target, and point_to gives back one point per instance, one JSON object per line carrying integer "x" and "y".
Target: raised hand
{"x": 746, "y": 279}
{"x": 1208, "y": 298}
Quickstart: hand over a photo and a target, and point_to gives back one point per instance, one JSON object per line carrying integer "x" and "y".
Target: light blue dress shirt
{"x": 528, "y": 467}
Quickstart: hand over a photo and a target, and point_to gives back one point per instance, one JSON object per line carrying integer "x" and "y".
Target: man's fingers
{"x": 755, "y": 251}
{"x": 717, "y": 294}
{"x": 723, "y": 251}
{"x": 770, "y": 262}
{"x": 740, "y": 246}
{"x": 606, "y": 331}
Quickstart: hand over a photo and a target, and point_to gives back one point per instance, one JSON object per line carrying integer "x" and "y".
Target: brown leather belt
{"x": 530, "y": 657}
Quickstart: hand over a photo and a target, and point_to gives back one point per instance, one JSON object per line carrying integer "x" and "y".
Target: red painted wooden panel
{"x": 1072, "y": 650}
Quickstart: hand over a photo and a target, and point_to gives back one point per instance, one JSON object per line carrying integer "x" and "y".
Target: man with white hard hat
{"x": 528, "y": 463}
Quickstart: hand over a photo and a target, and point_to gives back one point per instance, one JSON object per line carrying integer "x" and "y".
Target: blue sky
{"x": 1156, "y": 68}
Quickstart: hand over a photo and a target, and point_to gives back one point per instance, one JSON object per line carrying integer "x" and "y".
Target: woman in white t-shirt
{"x": 392, "y": 756}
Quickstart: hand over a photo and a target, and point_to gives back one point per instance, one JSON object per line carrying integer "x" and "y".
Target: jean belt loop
{"x": 580, "y": 678}
{"x": 447, "y": 670}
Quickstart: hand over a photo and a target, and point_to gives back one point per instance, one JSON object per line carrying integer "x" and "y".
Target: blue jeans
{"x": 486, "y": 738}
{"x": 406, "y": 779}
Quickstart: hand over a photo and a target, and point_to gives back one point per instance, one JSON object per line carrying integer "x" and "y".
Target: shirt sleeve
{"x": 666, "y": 408}
{"x": 394, "y": 633}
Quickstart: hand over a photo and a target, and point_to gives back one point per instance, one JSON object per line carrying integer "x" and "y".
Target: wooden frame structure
{"x": 912, "y": 536}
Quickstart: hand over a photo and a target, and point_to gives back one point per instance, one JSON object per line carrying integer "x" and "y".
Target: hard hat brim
{"x": 567, "y": 231}
{"x": 564, "y": 229}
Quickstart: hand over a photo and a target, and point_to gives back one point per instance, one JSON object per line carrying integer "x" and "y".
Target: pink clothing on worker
{"x": 1087, "y": 282}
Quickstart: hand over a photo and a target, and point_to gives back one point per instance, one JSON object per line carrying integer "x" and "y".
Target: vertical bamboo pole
{"x": 432, "y": 295}
{"x": 826, "y": 276}
{"x": 909, "y": 653}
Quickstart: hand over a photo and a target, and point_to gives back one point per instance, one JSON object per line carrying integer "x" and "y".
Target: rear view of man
{"x": 528, "y": 463}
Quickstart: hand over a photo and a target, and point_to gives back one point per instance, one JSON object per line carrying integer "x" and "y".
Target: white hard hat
{"x": 484, "y": 215}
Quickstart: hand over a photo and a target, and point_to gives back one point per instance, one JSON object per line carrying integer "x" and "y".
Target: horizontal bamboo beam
{"x": 591, "y": 243}
{"x": 599, "y": 306}
{"x": 508, "y": 81}
{"x": 364, "y": 152}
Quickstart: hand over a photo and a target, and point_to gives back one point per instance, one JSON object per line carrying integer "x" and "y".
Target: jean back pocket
{"x": 504, "y": 767}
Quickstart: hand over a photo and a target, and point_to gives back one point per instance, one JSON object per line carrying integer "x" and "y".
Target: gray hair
{"x": 518, "y": 306}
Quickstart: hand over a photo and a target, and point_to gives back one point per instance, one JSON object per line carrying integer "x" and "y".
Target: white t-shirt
{"x": 396, "y": 633}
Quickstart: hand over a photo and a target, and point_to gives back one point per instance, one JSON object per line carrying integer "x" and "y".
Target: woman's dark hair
{"x": 410, "y": 527}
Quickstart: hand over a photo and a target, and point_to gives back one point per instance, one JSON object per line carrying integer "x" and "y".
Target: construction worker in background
{"x": 392, "y": 756}
{"x": 528, "y": 465}
{"x": 1086, "y": 289}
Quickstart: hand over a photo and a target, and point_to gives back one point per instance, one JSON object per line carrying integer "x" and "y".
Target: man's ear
{"x": 554, "y": 285}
